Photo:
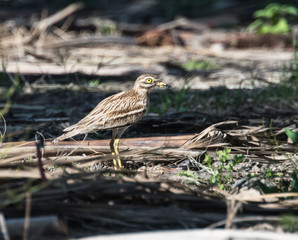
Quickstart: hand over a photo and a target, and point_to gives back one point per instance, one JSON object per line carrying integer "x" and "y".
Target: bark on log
{"x": 160, "y": 141}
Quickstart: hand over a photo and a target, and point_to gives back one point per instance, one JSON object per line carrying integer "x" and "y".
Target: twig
{"x": 20, "y": 44}
{"x": 3, "y": 227}
{"x": 232, "y": 209}
{"x": 177, "y": 40}
{"x": 244, "y": 219}
{"x": 90, "y": 42}
{"x": 263, "y": 197}
{"x": 181, "y": 22}
{"x": 199, "y": 165}
{"x": 39, "y": 145}
{"x": 4, "y": 131}
{"x": 12, "y": 160}
{"x": 19, "y": 174}
{"x": 27, "y": 216}
{"x": 78, "y": 145}
{"x": 45, "y": 23}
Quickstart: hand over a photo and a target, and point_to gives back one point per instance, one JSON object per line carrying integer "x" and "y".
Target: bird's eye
{"x": 148, "y": 80}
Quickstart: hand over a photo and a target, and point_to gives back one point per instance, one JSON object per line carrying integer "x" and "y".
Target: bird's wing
{"x": 108, "y": 112}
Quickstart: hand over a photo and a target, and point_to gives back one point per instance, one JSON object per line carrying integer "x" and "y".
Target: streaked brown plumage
{"x": 117, "y": 112}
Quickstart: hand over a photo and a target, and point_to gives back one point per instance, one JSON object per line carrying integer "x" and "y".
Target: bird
{"x": 117, "y": 113}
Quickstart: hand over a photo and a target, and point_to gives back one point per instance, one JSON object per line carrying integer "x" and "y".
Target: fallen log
{"x": 160, "y": 141}
{"x": 12, "y": 153}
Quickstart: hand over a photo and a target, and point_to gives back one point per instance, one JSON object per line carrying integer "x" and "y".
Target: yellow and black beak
{"x": 163, "y": 85}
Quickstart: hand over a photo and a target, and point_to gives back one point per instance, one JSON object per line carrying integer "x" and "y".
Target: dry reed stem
{"x": 27, "y": 216}
{"x": 41, "y": 26}
{"x": 271, "y": 196}
{"x": 3, "y": 227}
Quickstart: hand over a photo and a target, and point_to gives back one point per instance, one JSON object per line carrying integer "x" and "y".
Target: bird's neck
{"x": 143, "y": 94}
{"x": 141, "y": 91}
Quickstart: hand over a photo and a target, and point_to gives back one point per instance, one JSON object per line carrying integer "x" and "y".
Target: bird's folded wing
{"x": 118, "y": 110}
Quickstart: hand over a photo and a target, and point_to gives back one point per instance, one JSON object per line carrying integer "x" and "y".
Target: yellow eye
{"x": 149, "y": 80}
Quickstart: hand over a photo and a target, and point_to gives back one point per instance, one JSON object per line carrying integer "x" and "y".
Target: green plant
{"x": 11, "y": 86}
{"x": 187, "y": 173}
{"x": 269, "y": 173}
{"x": 180, "y": 98}
{"x": 200, "y": 65}
{"x": 191, "y": 177}
{"x": 222, "y": 98}
{"x": 176, "y": 100}
{"x": 289, "y": 222}
{"x": 277, "y": 182}
{"x": 221, "y": 171}
{"x": 271, "y": 181}
{"x": 108, "y": 29}
{"x": 14, "y": 195}
{"x": 94, "y": 83}
{"x": 292, "y": 135}
{"x": 272, "y": 19}
{"x": 294, "y": 181}
{"x": 287, "y": 88}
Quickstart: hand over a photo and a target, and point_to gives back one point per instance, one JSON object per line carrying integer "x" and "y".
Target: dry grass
{"x": 80, "y": 185}
{"x": 105, "y": 201}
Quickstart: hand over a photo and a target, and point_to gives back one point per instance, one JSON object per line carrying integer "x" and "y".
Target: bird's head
{"x": 148, "y": 81}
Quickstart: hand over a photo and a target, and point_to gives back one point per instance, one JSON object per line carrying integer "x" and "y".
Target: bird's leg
{"x": 117, "y": 133}
{"x": 116, "y": 147}
{"x": 113, "y": 150}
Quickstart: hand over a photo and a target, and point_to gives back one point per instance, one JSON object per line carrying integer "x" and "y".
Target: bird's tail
{"x": 65, "y": 136}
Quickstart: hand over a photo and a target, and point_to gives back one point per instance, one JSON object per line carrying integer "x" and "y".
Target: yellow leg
{"x": 112, "y": 142}
{"x": 116, "y": 148}
{"x": 114, "y": 145}
{"x": 115, "y": 162}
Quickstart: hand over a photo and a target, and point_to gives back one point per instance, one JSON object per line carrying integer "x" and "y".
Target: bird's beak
{"x": 163, "y": 85}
